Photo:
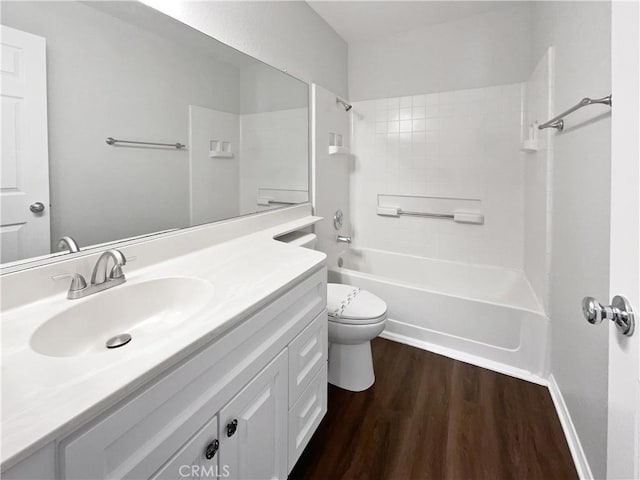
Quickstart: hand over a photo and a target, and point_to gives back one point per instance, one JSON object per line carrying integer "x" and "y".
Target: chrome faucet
{"x": 99, "y": 279}
{"x": 99, "y": 275}
{"x": 68, "y": 243}
{"x": 343, "y": 239}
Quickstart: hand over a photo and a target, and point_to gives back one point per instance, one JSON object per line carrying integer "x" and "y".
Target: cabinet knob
{"x": 211, "y": 450}
{"x": 232, "y": 427}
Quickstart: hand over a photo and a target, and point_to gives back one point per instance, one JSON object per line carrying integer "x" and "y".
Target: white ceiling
{"x": 364, "y": 20}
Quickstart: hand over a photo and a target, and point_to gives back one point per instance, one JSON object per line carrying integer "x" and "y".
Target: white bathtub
{"x": 484, "y": 315}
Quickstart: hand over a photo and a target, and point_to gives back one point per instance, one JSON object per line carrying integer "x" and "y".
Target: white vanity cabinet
{"x": 244, "y": 440}
{"x": 234, "y": 408}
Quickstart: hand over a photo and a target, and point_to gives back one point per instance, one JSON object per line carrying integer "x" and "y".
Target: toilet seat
{"x": 351, "y": 305}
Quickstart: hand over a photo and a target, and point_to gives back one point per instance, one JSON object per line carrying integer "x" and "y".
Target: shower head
{"x": 346, "y": 106}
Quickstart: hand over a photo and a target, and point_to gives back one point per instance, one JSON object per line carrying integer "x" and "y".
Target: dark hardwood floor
{"x": 431, "y": 417}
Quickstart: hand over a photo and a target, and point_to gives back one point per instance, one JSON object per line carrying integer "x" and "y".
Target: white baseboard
{"x": 466, "y": 357}
{"x": 579, "y": 458}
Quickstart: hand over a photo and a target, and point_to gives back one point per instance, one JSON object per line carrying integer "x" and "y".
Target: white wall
{"x": 273, "y": 146}
{"x": 287, "y": 35}
{"x": 478, "y": 51}
{"x": 214, "y": 183}
{"x": 580, "y": 32}
{"x": 462, "y": 144}
{"x": 538, "y": 175}
{"x": 265, "y": 89}
{"x": 332, "y": 173}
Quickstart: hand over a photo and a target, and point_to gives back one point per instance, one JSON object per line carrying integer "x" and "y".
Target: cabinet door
{"x": 197, "y": 459}
{"x": 253, "y": 426}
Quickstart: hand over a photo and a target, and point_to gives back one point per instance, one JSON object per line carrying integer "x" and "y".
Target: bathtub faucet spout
{"x": 343, "y": 239}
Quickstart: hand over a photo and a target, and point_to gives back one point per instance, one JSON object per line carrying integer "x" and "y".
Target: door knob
{"x": 619, "y": 312}
{"x": 37, "y": 207}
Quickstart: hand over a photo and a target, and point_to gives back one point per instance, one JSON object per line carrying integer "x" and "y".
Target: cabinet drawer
{"x": 306, "y": 414}
{"x": 307, "y": 354}
{"x": 191, "y": 461}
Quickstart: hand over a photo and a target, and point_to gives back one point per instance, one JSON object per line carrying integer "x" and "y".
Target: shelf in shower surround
{"x": 336, "y": 150}
{"x": 529, "y": 146}
{"x": 220, "y": 154}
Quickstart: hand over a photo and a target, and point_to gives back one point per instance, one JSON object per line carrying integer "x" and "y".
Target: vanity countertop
{"x": 46, "y": 397}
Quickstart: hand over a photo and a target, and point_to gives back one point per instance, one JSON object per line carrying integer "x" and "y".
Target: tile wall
{"x": 462, "y": 143}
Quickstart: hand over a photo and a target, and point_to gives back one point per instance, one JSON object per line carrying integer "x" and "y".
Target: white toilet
{"x": 355, "y": 318}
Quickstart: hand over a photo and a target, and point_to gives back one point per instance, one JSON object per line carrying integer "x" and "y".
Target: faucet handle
{"x": 77, "y": 282}
{"x": 116, "y": 272}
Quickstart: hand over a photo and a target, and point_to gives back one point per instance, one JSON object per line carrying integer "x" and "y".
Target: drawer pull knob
{"x": 211, "y": 450}
{"x": 232, "y": 427}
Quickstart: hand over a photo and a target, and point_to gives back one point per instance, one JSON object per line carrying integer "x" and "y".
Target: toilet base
{"x": 351, "y": 366}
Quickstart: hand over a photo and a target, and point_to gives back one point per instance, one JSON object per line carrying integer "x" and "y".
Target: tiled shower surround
{"x": 462, "y": 144}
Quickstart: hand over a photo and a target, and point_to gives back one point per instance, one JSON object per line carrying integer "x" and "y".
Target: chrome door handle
{"x": 619, "y": 312}
{"x": 37, "y": 207}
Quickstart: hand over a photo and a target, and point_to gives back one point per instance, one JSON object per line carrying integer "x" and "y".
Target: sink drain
{"x": 118, "y": 340}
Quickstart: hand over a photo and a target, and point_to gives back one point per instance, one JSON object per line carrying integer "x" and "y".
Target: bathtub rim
{"x": 413, "y": 286}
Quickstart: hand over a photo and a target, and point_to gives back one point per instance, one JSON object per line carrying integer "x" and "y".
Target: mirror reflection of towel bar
{"x": 113, "y": 141}
{"x": 265, "y": 202}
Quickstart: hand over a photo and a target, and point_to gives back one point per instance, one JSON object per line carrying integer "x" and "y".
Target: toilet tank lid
{"x": 346, "y": 301}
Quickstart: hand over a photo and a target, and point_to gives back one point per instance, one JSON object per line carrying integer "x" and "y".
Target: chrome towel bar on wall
{"x": 557, "y": 122}
{"x": 456, "y": 216}
{"x": 113, "y": 141}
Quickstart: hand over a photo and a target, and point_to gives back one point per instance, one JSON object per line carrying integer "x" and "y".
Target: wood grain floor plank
{"x": 431, "y": 417}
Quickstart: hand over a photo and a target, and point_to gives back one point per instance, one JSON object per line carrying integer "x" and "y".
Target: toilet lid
{"x": 348, "y": 304}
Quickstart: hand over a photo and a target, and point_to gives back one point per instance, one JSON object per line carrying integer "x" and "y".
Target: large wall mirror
{"x": 221, "y": 134}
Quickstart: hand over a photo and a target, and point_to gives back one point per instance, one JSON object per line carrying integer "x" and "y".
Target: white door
{"x": 623, "y": 440}
{"x": 253, "y": 427}
{"x": 24, "y": 161}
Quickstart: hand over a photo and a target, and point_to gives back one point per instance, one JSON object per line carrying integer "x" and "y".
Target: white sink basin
{"x": 139, "y": 309}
